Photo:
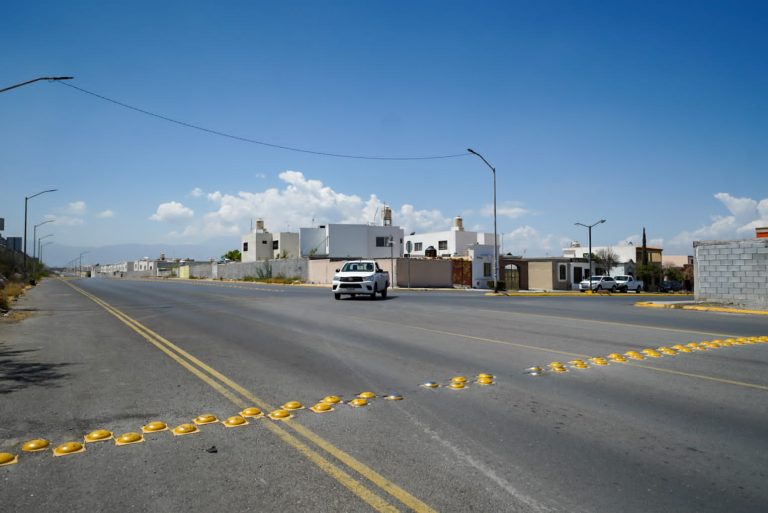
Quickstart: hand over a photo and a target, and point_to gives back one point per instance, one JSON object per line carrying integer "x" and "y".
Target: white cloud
{"x": 76, "y": 208}
{"x": 196, "y": 192}
{"x": 528, "y": 241}
{"x": 746, "y": 214}
{"x": 510, "y": 209}
{"x": 172, "y": 211}
{"x": 104, "y": 214}
{"x": 302, "y": 202}
{"x": 260, "y": 175}
{"x": 65, "y": 220}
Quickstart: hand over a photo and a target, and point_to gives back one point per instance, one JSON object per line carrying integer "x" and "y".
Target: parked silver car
{"x": 598, "y": 283}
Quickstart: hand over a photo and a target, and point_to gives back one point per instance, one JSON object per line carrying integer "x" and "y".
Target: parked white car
{"x": 627, "y": 283}
{"x": 598, "y": 283}
{"x": 360, "y": 277}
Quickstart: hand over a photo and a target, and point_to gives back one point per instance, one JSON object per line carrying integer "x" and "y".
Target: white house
{"x": 455, "y": 242}
{"x": 285, "y": 245}
{"x": 628, "y": 256}
{"x": 351, "y": 241}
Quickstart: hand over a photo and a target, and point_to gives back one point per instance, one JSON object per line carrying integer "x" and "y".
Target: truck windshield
{"x": 357, "y": 267}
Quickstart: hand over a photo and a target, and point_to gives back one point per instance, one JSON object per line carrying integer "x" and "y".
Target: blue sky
{"x": 644, "y": 113}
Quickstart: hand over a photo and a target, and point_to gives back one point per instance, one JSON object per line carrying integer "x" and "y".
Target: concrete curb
{"x": 698, "y": 308}
{"x": 577, "y": 294}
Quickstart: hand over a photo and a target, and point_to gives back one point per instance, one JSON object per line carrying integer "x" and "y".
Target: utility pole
{"x": 495, "y": 236}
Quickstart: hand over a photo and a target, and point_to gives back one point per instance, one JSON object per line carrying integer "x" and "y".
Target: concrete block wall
{"x": 287, "y": 267}
{"x": 732, "y": 272}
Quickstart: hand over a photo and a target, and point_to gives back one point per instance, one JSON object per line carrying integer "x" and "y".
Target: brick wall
{"x": 732, "y": 272}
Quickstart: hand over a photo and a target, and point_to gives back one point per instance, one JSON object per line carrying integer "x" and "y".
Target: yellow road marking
{"x": 364, "y": 493}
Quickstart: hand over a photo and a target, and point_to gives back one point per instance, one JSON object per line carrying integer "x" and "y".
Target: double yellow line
{"x": 243, "y": 399}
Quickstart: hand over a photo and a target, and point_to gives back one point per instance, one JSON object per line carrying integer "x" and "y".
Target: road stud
{"x": 35, "y": 445}
{"x": 652, "y": 353}
{"x": 280, "y": 415}
{"x": 129, "y": 438}
{"x": 682, "y": 349}
{"x": 695, "y": 346}
{"x": 599, "y": 360}
{"x": 252, "y": 412}
{"x": 205, "y": 418}
{"x": 484, "y": 381}
{"x": 366, "y": 395}
{"x": 534, "y": 371}
{"x": 154, "y": 427}
{"x": 557, "y": 367}
{"x": 293, "y": 405}
{"x": 358, "y": 402}
{"x": 617, "y": 358}
{"x": 457, "y": 385}
{"x": 485, "y": 375}
{"x": 185, "y": 429}
{"x": 331, "y": 399}
{"x": 393, "y": 397}
{"x": 667, "y": 351}
{"x": 321, "y": 408}
{"x": 430, "y": 384}
{"x": 235, "y": 421}
{"x": 68, "y": 448}
{"x": 100, "y": 435}
{"x": 7, "y": 458}
{"x": 634, "y": 355}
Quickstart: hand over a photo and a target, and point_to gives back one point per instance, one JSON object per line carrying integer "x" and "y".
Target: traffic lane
{"x": 117, "y": 381}
{"x": 441, "y": 344}
{"x": 275, "y": 366}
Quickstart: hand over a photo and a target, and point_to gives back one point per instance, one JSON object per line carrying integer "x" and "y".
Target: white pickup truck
{"x": 360, "y": 277}
{"x": 627, "y": 283}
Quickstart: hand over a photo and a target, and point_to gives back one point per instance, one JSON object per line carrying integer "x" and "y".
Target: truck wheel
{"x": 337, "y": 296}
{"x": 638, "y": 290}
{"x": 599, "y": 287}
{"x": 384, "y": 293}
{"x": 375, "y": 290}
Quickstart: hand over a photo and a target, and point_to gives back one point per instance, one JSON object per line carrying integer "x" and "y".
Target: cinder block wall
{"x": 732, "y": 272}
{"x": 287, "y": 267}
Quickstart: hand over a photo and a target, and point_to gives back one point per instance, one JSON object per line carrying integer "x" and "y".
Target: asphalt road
{"x": 671, "y": 434}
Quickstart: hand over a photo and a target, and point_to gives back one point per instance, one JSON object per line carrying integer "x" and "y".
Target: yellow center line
{"x": 361, "y": 491}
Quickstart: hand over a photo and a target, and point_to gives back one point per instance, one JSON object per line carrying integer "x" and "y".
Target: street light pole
{"x": 26, "y": 200}
{"x": 80, "y": 265}
{"x": 34, "y": 80}
{"x": 495, "y": 237}
{"x": 589, "y": 228}
{"x": 41, "y": 250}
{"x": 39, "y": 241}
{"x": 34, "y": 236}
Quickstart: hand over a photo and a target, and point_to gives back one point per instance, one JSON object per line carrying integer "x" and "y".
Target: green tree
{"x": 233, "y": 255}
{"x": 673, "y": 273}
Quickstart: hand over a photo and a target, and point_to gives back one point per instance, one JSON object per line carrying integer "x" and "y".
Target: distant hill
{"x": 58, "y": 255}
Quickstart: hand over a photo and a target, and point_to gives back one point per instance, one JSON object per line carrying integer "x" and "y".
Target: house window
{"x": 443, "y": 244}
{"x": 382, "y": 242}
{"x": 275, "y": 244}
{"x": 264, "y": 242}
{"x": 562, "y": 272}
{"x": 487, "y": 269}
{"x": 417, "y": 246}
{"x": 245, "y": 247}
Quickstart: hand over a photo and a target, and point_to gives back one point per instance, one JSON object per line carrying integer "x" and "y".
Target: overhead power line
{"x": 255, "y": 141}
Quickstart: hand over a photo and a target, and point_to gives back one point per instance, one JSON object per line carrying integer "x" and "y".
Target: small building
{"x": 256, "y": 245}
{"x": 351, "y": 241}
{"x": 629, "y": 256}
{"x": 285, "y": 245}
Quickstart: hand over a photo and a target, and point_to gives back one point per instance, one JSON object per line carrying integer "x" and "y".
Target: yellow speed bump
{"x": 185, "y": 429}
{"x": 280, "y": 415}
{"x": 682, "y": 349}
{"x": 252, "y": 412}
{"x": 358, "y": 402}
{"x": 7, "y": 458}
{"x": 154, "y": 427}
{"x": 331, "y": 399}
{"x": 616, "y": 357}
{"x": 485, "y": 375}
{"x": 393, "y": 396}
{"x": 321, "y": 408}
{"x": 652, "y": 353}
{"x": 35, "y": 445}
{"x": 68, "y": 448}
{"x": 366, "y": 395}
{"x": 557, "y": 367}
{"x": 129, "y": 438}
{"x": 235, "y": 421}
{"x": 99, "y": 435}
{"x": 293, "y": 405}
{"x": 695, "y": 346}
{"x": 430, "y": 384}
{"x": 599, "y": 360}
{"x": 457, "y": 385}
{"x": 534, "y": 371}
{"x": 205, "y": 418}
{"x": 667, "y": 351}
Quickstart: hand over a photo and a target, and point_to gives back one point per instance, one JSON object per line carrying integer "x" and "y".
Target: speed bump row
{"x": 286, "y": 412}
{"x": 674, "y": 350}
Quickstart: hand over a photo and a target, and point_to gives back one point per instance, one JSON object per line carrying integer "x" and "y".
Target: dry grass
{"x": 10, "y": 292}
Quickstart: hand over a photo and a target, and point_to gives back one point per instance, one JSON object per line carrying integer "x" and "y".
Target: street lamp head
{"x": 602, "y": 220}
{"x": 60, "y": 78}
{"x": 472, "y": 151}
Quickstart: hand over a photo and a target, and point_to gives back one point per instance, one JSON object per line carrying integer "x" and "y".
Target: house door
{"x": 577, "y": 274}
{"x": 511, "y": 277}
{"x": 462, "y": 272}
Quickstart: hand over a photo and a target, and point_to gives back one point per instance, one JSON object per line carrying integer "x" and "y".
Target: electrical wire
{"x": 254, "y": 141}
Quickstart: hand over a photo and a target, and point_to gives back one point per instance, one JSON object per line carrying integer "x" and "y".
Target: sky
{"x": 646, "y": 114}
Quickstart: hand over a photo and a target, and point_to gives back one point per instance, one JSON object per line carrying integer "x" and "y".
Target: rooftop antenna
{"x": 373, "y": 221}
